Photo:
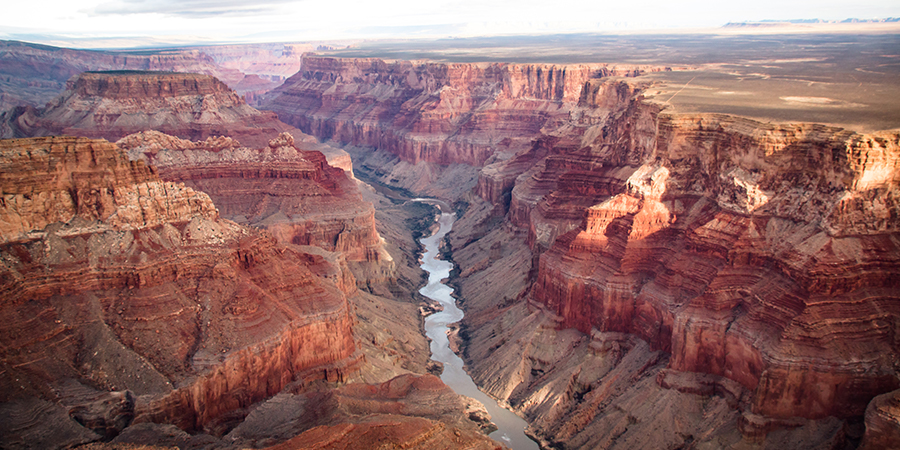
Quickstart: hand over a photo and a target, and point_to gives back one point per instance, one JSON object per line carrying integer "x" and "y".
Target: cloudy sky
{"x": 114, "y": 23}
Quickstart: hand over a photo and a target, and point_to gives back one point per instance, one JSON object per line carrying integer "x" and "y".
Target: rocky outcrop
{"x": 126, "y": 299}
{"x": 723, "y": 242}
{"x": 295, "y": 194}
{"x": 730, "y": 249}
{"x": 883, "y": 422}
{"x": 439, "y": 113}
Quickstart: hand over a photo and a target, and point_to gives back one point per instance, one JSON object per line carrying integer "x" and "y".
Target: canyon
{"x": 161, "y": 321}
{"x": 643, "y": 260}
{"x": 658, "y": 266}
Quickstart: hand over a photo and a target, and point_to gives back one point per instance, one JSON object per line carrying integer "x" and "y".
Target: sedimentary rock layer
{"x": 441, "y": 113}
{"x": 112, "y": 105}
{"x": 763, "y": 253}
{"x": 32, "y": 74}
{"x": 117, "y": 283}
{"x": 415, "y": 412}
{"x": 295, "y": 194}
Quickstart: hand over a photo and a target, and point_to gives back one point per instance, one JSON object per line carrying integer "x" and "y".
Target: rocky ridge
{"x": 438, "y": 113}
{"x": 111, "y": 105}
{"x": 740, "y": 275}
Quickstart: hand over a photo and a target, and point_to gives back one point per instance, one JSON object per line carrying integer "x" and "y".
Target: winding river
{"x": 510, "y": 426}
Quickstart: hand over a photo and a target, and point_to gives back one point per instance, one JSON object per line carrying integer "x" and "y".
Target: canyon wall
{"x": 440, "y": 113}
{"x": 117, "y": 285}
{"x": 114, "y": 104}
{"x": 111, "y": 105}
{"x": 711, "y": 255}
{"x": 294, "y": 194}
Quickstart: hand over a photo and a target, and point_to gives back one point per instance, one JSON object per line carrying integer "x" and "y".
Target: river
{"x": 510, "y": 426}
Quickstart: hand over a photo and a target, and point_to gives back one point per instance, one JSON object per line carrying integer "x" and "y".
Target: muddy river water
{"x": 510, "y": 426}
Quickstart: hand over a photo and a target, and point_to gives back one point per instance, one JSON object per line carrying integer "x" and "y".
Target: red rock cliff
{"x": 441, "y": 113}
{"x": 728, "y": 243}
{"x": 763, "y": 254}
{"x": 295, "y": 194}
{"x": 116, "y": 283}
{"x": 114, "y": 104}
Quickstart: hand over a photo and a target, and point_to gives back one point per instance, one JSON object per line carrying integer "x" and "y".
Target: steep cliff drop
{"x": 128, "y": 300}
{"x": 668, "y": 279}
{"x": 134, "y": 314}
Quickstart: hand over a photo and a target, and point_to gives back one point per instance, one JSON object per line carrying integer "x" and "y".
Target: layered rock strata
{"x": 295, "y": 194}
{"x": 111, "y": 105}
{"x": 762, "y": 254}
{"x": 127, "y": 299}
{"x": 415, "y": 412}
{"x": 32, "y": 75}
{"x": 432, "y": 112}
{"x": 730, "y": 247}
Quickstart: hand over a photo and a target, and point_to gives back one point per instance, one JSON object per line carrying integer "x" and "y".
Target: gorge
{"x": 647, "y": 256}
{"x": 510, "y": 427}
{"x": 698, "y": 253}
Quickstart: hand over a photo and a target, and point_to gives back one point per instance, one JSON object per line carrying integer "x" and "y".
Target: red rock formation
{"x": 441, "y": 113}
{"x": 291, "y": 192}
{"x": 731, "y": 251}
{"x": 112, "y": 105}
{"x": 113, "y": 280}
{"x": 36, "y": 74}
{"x": 883, "y": 422}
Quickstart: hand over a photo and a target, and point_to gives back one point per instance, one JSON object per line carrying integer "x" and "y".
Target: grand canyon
{"x": 656, "y": 243}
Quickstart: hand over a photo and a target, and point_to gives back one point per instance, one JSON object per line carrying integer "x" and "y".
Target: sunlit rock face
{"x": 752, "y": 251}
{"x": 128, "y": 299}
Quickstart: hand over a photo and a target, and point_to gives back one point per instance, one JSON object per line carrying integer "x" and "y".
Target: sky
{"x": 127, "y": 23}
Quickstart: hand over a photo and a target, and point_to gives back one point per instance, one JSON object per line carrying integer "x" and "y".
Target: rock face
{"x": 883, "y": 422}
{"x": 127, "y": 299}
{"x": 295, "y": 194}
{"x": 440, "y": 113}
{"x": 706, "y": 256}
{"x": 112, "y": 105}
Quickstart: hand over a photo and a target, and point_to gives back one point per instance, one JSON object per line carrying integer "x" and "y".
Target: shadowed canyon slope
{"x": 668, "y": 278}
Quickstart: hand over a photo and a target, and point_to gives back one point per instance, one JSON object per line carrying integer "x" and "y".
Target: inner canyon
{"x": 229, "y": 247}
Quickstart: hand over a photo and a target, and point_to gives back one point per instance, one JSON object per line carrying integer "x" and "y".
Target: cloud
{"x": 189, "y": 8}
